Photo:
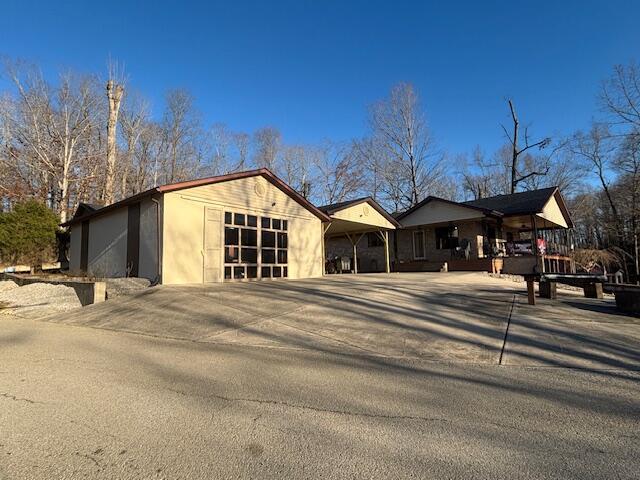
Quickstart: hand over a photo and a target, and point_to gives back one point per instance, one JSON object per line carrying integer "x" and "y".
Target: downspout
{"x": 158, "y": 278}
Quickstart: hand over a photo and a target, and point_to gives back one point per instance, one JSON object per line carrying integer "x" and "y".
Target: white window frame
{"x": 424, "y": 244}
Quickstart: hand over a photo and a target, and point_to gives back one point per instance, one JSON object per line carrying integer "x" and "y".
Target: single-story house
{"x": 517, "y": 233}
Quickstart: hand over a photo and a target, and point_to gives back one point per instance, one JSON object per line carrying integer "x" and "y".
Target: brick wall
{"x": 370, "y": 259}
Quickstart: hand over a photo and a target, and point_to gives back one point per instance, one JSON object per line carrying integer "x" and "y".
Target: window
{"x": 446, "y": 237}
{"x": 418, "y": 245}
{"x": 240, "y": 246}
{"x": 374, "y": 240}
{"x": 254, "y": 247}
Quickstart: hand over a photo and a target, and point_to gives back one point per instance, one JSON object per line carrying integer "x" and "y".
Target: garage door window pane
{"x": 249, "y": 237}
{"x": 249, "y": 255}
{"x": 268, "y": 239}
{"x": 268, "y": 255}
{"x": 231, "y": 254}
{"x": 282, "y": 240}
{"x": 230, "y": 236}
{"x": 265, "y": 272}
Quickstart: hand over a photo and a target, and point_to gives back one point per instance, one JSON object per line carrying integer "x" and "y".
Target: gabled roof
{"x": 336, "y": 207}
{"x": 86, "y": 208}
{"x": 172, "y": 187}
{"x": 521, "y": 203}
{"x": 430, "y": 198}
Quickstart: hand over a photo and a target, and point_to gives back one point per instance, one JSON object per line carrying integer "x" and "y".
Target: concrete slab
{"x": 445, "y": 317}
{"x": 429, "y": 316}
{"x": 573, "y": 331}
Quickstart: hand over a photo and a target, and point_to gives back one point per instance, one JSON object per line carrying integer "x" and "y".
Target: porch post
{"x": 324, "y": 229}
{"x": 536, "y": 252}
{"x": 386, "y": 251}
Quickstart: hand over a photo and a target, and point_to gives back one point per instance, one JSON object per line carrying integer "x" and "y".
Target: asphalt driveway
{"x": 345, "y": 377}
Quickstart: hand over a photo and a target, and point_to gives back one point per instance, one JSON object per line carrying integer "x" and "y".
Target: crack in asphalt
{"x": 352, "y": 413}
{"x": 17, "y": 399}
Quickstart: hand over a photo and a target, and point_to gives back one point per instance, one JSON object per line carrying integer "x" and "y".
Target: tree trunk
{"x": 514, "y": 154}
{"x": 114, "y": 94}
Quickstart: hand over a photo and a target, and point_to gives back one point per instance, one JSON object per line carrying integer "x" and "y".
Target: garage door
{"x": 255, "y": 247}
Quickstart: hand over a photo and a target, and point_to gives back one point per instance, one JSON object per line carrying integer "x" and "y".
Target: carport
{"x": 353, "y": 220}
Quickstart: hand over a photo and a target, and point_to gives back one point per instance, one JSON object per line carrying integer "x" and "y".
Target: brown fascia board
{"x": 375, "y": 206}
{"x": 267, "y": 174}
{"x": 430, "y": 198}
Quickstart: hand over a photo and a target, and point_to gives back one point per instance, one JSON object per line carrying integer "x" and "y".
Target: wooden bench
{"x": 591, "y": 284}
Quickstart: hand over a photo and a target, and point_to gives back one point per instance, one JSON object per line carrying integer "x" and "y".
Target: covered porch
{"x": 357, "y": 238}
{"x": 535, "y": 243}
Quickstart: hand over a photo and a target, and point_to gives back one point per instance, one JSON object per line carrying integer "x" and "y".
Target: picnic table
{"x": 591, "y": 284}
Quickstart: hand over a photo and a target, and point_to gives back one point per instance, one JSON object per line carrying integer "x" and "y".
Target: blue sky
{"x": 311, "y": 68}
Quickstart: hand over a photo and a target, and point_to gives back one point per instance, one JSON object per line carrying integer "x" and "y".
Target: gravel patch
{"x": 37, "y": 300}
{"x": 117, "y": 287}
{"x": 6, "y": 285}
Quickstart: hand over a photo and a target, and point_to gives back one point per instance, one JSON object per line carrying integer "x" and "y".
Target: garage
{"x": 240, "y": 227}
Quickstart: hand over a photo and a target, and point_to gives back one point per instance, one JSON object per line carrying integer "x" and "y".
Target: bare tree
{"x": 241, "y": 141}
{"x": 267, "y": 142}
{"x": 620, "y": 96}
{"x": 294, "y": 167}
{"x": 134, "y": 119}
{"x": 403, "y": 139}
{"x": 340, "y": 172}
{"x": 516, "y": 151}
{"x": 182, "y": 132}
{"x": 596, "y": 148}
{"x": 49, "y": 128}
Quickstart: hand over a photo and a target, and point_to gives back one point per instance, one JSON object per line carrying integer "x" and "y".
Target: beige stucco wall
{"x": 439, "y": 212}
{"x": 75, "y": 241}
{"x": 183, "y": 226}
{"x": 107, "y": 255}
{"x": 552, "y": 213}
{"x": 363, "y": 213}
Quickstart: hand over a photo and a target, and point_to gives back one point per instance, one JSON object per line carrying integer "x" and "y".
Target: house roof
{"x": 336, "y": 207}
{"x": 85, "y": 208}
{"x": 172, "y": 187}
{"x": 430, "y": 198}
{"x": 520, "y": 203}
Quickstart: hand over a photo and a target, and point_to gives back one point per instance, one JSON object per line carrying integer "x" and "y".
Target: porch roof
{"x": 358, "y": 216}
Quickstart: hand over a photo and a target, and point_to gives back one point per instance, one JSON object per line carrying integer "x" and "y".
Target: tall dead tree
{"x": 114, "y": 94}
{"x": 516, "y": 151}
